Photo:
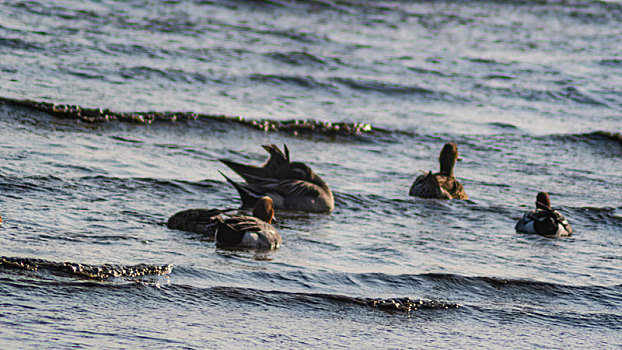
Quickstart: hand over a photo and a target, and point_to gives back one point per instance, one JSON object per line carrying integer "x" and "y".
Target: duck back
{"x": 201, "y": 221}
{"x": 437, "y": 186}
{"x": 246, "y": 232}
{"x": 545, "y": 223}
{"x": 427, "y": 186}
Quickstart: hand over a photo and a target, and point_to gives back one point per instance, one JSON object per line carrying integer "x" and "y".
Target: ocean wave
{"x": 297, "y": 58}
{"x": 565, "y": 94}
{"x": 174, "y": 75}
{"x": 314, "y": 300}
{"x": 35, "y": 184}
{"x": 96, "y": 272}
{"x": 601, "y": 216}
{"x": 391, "y": 88}
{"x": 293, "y": 127}
{"x": 611, "y": 62}
{"x": 97, "y": 187}
{"x": 305, "y": 82}
{"x": 18, "y": 44}
{"x": 594, "y": 136}
{"x": 460, "y": 288}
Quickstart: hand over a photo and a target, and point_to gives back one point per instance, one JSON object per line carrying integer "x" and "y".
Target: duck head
{"x": 448, "y": 158}
{"x": 295, "y": 170}
{"x": 263, "y": 209}
{"x": 543, "y": 201}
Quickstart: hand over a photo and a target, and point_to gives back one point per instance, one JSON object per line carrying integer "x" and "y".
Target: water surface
{"x": 529, "y": 90}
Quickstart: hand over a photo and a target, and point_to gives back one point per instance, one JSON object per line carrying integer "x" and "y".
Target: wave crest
{"x": 292, "y": 126}
{"x": 97, "y": 272}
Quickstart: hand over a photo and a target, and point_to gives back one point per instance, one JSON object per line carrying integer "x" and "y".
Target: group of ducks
{"x": 283, "y": 184}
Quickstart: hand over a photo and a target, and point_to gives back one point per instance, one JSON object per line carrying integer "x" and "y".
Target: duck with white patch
{"x": 544, "y": 220}
{"x": 250, "y": 232}
{"x": 441, "y": 185}
{"x": 291, "y": 185}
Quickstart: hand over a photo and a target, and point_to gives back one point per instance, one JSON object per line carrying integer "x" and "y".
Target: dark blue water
{"x": 531, "y": 91}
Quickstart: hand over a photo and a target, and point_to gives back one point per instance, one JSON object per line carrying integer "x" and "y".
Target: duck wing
{"x": 551, "y": 222}
{"x": 427, "y": 186}
{"x": 451, "y": 186}
{"x": 246, "y": 232}
{"x": 289, "y": 188}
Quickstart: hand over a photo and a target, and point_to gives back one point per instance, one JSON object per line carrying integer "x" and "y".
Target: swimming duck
{"x": 201, "y": 221}
{"x": 291, "y": 185}
{"x": 442, "y": 185}
{"x": 254, "y": 232}
{"x": 544, "y": 220}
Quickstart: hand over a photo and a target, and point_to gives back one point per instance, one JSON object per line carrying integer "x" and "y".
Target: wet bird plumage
{"x": 255, "y": 232}
{"x": 441, "y": 185}
{"x": 291, "y": 185}
{"x": 544, "y": 220}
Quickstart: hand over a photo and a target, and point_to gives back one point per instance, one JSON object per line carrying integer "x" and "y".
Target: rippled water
{"x": 529, "y": 90}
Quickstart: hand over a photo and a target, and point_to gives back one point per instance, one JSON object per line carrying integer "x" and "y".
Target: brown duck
{"x": 232, "y": 231}
{"x": 442, "y": 185}
{"x": 251, "y": 232}
{"x": 291, "y": 185}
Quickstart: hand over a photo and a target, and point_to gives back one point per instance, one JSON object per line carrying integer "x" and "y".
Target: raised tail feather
{"x": 276, "y": 160}
{"x": 245, "y": 170}
{"x": 246, "y": 194}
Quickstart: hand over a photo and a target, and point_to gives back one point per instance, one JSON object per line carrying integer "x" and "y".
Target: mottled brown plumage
{"x": 254, "y": 232}
{"x": 201, "y": 221}
{"x": 442, "y": 185}
{"x": 291, "y": 185}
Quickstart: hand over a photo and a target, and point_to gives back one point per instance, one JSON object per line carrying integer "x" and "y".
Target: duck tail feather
{"x": 246, "y": 194}
{"x": 242, "y": 169}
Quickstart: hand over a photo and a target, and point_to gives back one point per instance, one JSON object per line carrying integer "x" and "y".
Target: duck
{"x": 291, "y": 185}
{"x": 202, "y": 221}
{"x": 249, "y": 232}
{"x": 543, "y": 220}
{"x": 441, "y": 185}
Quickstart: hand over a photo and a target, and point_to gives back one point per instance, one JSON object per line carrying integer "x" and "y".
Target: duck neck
{"x": 447, "y": 167}
{"x": 263, "y": 212}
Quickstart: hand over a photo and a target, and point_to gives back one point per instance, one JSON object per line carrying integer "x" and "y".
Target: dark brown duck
{"x": 442, "y": 185}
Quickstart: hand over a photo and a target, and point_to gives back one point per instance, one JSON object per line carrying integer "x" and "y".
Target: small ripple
{"x": 297, "y": 58}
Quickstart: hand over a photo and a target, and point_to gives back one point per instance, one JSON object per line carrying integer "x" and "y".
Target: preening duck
{"x": 253, "y": 232}
{"x": 201, "y": 221}
{"x": 442, "y": 185}
{"x": 291, "y": 185}
{"x": 544, "y": 220}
